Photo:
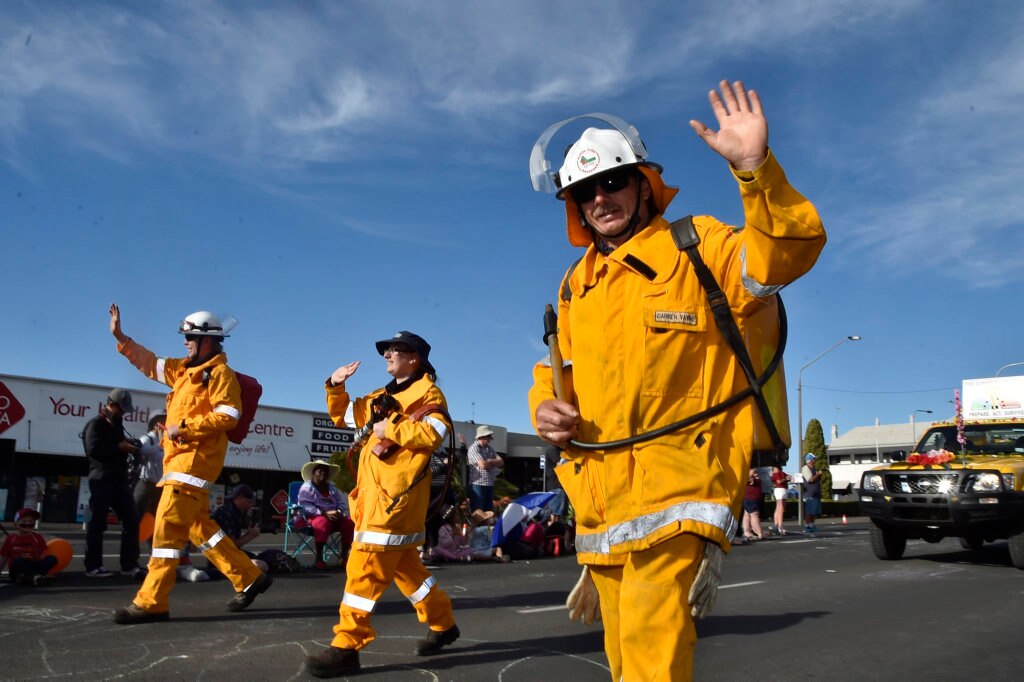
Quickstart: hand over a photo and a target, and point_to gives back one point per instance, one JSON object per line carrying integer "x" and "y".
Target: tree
{"x": 814, "y": 444}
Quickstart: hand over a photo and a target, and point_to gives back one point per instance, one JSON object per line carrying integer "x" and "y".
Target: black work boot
{"x": 242, "y": 599}
{"x": 435, "y": 641}
{"x": 132, "y": 614}
{"x": 333, "y": 662}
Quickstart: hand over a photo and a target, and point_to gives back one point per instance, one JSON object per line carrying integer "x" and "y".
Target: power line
{"x": 923, "y": 390}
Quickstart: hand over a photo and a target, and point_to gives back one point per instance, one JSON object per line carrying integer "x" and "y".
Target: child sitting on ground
{"x": 26, "y": 551}
{"x": 453, "y": 545}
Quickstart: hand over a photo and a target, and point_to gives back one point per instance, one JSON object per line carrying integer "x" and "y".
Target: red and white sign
{"x": 11, "y": 411}
{"x": 279, "y": 502}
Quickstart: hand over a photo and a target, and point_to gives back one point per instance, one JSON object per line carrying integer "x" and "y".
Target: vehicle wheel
{"x": 972, "y": 542}
{"x": 1016, "y": 542}
{"x": 889, "y": 544}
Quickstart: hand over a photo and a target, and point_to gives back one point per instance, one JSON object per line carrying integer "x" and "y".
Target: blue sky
{"x": 329, "y": 173}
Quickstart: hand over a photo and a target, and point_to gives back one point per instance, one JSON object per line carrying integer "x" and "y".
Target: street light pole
{"x": 913, "y": 426}
{"x": 800, "y": 414}
{"x": 1012, "y": 364}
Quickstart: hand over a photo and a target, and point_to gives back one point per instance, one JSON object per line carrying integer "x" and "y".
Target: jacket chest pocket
{"x": 674, "y": 344}
{"x": 192, "y": 395}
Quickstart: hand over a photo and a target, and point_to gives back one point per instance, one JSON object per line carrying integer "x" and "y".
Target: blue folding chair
{"x": 296, "y": 540}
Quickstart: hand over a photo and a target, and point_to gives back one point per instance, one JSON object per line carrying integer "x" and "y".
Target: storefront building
{"x": 43, "y": 463}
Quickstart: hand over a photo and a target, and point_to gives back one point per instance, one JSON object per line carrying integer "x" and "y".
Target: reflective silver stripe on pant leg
{"x": 421, "y": 594}
{"x": 357, "y": 602}
{"x": 212, "y": 542}
{"x": 372, "y": 537}
{"x": 162, "y": 553}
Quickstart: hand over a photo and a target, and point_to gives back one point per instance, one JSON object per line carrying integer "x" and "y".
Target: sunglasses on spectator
{"x": 610, "y": 182}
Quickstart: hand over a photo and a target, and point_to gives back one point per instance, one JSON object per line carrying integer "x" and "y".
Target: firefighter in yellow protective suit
{"x": 406, "y": 421}
{"x": 641, "y": 351}
{"x": 204, "y": 404}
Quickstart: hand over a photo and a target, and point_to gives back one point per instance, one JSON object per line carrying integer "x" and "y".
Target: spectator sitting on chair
{"x": 324, "y": 509}
{"x": 233, "y": 516}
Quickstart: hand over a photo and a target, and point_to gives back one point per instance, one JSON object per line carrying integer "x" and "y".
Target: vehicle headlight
{"x": 985, "y": 483}
{"x": 1009, "y": 481}
{"x": 871, "y": 483}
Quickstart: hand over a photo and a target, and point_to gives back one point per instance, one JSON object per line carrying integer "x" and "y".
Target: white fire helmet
{"x": 203, "y": 323}
{"x": 596, "y": 151}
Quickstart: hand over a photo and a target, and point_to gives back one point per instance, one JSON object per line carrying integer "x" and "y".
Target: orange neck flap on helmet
{"x": 661, "y": 194}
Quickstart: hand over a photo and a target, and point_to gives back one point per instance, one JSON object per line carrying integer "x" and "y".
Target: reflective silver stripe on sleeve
{"x": 212, "y": 542}
{"x": 161, "y": 364}
{"x": 162, "y": 553}
{"x": 357, "y": 602}
{"x": 228, "y": 410}
{"x": 187, "y": 480}
{"x": 421, "y": 594}
{"x": 752, "y": 285}
{"x": 437, "y": 425}
{"x": 712, "y": 514}
{"x": 372, "y": 537}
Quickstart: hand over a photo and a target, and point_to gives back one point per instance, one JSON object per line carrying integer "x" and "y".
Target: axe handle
{"x": 551, "y": 339}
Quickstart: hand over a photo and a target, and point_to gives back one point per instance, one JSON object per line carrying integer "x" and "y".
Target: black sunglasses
{"x": 610, "y": 182}
{"x": 193, "y": 337}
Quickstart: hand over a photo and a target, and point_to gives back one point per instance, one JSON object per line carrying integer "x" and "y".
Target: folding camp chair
{"x": 296, "y": 540}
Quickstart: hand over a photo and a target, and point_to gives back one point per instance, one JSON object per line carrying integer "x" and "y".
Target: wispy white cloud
{"x": 286, "y": 85}
{"x": 951, "y": 152}
{"x": 272, "y": 87}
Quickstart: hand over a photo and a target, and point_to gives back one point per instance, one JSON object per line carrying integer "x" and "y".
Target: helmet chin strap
{"x": 600, "y": 240}
{"x": 200, "y": 359}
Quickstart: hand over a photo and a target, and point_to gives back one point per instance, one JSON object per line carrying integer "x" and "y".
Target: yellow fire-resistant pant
{"x": 648, "y": 631}
{"x": 182, "y": 515}
{"x": 369, "y": 575}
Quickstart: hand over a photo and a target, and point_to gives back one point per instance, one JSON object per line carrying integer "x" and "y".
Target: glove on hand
{"x": 583, "y": 601}
{"x": 705, "y": 586}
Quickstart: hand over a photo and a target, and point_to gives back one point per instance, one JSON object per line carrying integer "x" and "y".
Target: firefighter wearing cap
{"x": 640, "y": 353}
{"x": 203, "y": 405}
{"x": 389, "y": 503}
{"x": 108, "y": 446}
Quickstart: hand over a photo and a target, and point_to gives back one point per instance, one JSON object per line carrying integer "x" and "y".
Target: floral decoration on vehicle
{"x": 932, "y": 457}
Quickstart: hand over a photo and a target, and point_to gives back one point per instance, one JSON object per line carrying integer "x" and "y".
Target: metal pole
{"x": 913, "y": 427}
{"x": 1012, "y": 364}
{"x": 800, "y": 414}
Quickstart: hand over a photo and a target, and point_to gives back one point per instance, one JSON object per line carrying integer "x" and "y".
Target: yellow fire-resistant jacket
{"x": 205, "y": 401}
{"x": 641, "y": 351}
{"x": 381, "y": 480}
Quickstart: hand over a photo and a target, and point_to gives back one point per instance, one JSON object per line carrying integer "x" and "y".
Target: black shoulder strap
{"x": 684, "y": 234}
{"x": 566, "y": 291}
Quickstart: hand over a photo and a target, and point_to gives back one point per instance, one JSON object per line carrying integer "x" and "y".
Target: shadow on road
{"x": 752, "y": 624}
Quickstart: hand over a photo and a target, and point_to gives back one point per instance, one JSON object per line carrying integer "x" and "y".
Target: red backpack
{"x": 251, "y": 392}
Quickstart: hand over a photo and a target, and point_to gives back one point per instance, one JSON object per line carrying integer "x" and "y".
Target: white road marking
{"x": 541, "y": 609}
{"x": 753, "y": 582}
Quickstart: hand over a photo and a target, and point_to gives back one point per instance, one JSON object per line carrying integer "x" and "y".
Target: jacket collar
{"x": 651, "y": 253}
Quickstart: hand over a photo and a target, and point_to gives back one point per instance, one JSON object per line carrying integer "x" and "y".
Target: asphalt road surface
{"x": 790, "y": 607}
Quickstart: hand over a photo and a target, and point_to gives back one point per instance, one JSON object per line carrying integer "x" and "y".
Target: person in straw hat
{"x": 484, "y": 466}
{"x": 324, "y": 508}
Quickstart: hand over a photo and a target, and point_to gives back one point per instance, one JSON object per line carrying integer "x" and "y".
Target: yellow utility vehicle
{"x": 972, "y": 490}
